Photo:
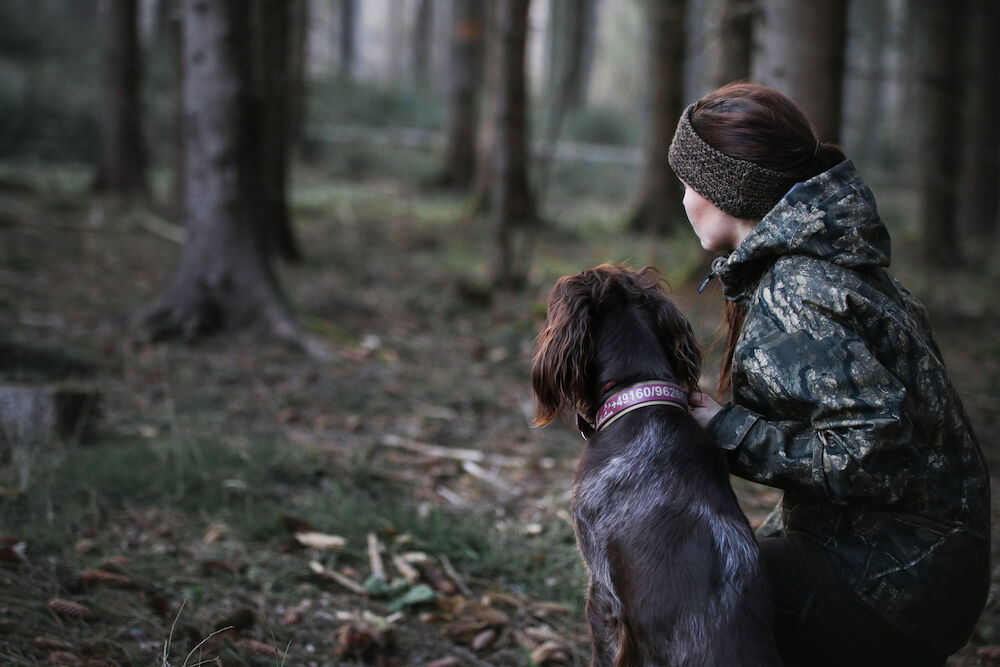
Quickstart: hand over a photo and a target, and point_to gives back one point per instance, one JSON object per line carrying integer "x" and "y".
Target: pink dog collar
{"x": 639, "y": 396}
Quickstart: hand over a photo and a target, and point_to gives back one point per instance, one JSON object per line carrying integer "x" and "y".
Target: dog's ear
{"x": 563, "y": 352}
{"x": 679, "y": 341}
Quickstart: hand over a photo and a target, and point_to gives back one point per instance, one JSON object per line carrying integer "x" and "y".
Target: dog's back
{"x": 672, "y": 558}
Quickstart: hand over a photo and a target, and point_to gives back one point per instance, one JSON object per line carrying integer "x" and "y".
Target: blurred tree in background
{"x": 121, "y": 162}
{"x": 466, "y": 63}
{"x": 660, "y": 198}
{"x": 224, "y": 280}
{"x": 936, "y": 69}
{"x": 799, "y": 49}
{"x": 512, "y": 200}
{"x": 275, "y": 86}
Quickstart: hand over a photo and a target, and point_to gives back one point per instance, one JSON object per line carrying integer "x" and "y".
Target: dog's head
{"x": 565, "y": 368}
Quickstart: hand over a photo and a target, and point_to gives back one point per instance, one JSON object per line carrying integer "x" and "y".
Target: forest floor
{"x": 238, "y": 503}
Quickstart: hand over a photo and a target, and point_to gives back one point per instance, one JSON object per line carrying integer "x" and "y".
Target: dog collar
{"x": 631, "y": 398}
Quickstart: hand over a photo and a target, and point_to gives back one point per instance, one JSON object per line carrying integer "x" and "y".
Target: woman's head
{"x": 743, "y": 146}
{"x": 738, "y": 151}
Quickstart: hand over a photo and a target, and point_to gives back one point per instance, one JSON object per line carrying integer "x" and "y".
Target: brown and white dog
{"x": 675, "y": 572}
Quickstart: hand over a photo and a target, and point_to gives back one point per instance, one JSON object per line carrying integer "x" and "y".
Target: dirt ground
{"x": 427, "y": 395}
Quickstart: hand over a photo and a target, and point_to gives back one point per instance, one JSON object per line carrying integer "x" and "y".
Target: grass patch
{"x": 250, "y": 486}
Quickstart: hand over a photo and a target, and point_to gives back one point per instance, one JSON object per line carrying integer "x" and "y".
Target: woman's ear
{"x": 563, "y": 351}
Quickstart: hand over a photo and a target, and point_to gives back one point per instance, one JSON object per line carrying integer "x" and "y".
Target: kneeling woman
{"x": 879, "y": 552}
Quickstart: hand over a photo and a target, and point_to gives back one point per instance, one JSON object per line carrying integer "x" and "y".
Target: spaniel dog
{"x": 675, "y": 573}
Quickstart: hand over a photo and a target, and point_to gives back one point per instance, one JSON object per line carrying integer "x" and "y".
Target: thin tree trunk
{"x": 121, "y": 163}
{"x": 981, "y": 138}
{"x": 486, "y": 138}
{"x": 177, "y": 34}
{"x": 347, "y": 45}
{"x": 936, "y": 66}
{"x": 659, "y": 206}
{"x": 297, "y": 45}
{"x": 569, "y": 48}
{"x": 513, "y": 204}
{"x": 423, "y": 26}
{"x": 799, "y": 49}
{"x": 223, "y": 280}
{"x": 463, "y": 98}
{"x": 276, "y": 93}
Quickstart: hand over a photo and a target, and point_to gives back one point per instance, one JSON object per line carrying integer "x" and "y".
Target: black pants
{"x": 818, "y": 620}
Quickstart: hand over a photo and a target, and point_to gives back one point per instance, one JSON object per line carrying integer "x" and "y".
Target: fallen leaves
{"x": 399, "y": 581}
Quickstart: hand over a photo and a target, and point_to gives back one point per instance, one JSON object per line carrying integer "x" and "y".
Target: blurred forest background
{"x": 270, "y": 273}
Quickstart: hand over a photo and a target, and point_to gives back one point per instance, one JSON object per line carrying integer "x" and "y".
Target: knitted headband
{"x": 738, "y": 187}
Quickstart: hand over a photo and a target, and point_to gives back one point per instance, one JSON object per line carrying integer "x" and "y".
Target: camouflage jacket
{"x": 841, "y": 399}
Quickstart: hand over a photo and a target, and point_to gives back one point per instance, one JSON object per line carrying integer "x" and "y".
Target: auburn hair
{"x": 748, "y": 121}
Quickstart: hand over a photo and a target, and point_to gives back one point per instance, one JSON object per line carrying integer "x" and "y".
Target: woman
{"x": 879, "y": 551}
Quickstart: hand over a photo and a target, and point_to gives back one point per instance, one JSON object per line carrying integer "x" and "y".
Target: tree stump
{"x": 33, "y": 416}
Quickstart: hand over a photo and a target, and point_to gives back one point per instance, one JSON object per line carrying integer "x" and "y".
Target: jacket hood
{"x": 832, "y": 217}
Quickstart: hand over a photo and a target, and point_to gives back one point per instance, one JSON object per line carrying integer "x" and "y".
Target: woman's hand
{"x": 702, "y": 407}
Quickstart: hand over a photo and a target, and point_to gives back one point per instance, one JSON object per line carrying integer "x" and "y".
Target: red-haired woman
{"x": 879, "y": 551}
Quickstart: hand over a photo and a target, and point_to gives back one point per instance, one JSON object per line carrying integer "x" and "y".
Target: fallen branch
{"x": 494, "y": 480}
{"x": 163, "y": 229}
{"x": 407, "y": 571}
{"x": 451, "y": 496}
{"x": 449, "y": 569}
{"x": 337, "y": 578}
{"x": 375, "y": 557}
{"x": 439, "y": 452}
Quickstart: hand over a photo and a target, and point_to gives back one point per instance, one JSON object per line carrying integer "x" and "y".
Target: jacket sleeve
{"x": 831, "y": 420}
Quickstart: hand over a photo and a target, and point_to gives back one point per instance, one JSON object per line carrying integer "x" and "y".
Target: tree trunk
{"x": 799, "y": 50}
{"x": 276, "y": 93}
{"x": 486, "y": 138}
{"x": 423, "y": 26}
{"x": 571, "y": 28}
{"x": 731, "y": 42}
{"x": 297, "y": 46}
{"x": 936, "y": 66}
{"x": 463, "y": 98}
{"x": 864, "y": 79}
{"x": 981, "y": 160}
{"x": 121, "y": 163}
{"x": 223, "y": 281}
{"x": 513, "y": 204}
{"x": 348, "y": 27}
{"x": 659, "y": 206}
